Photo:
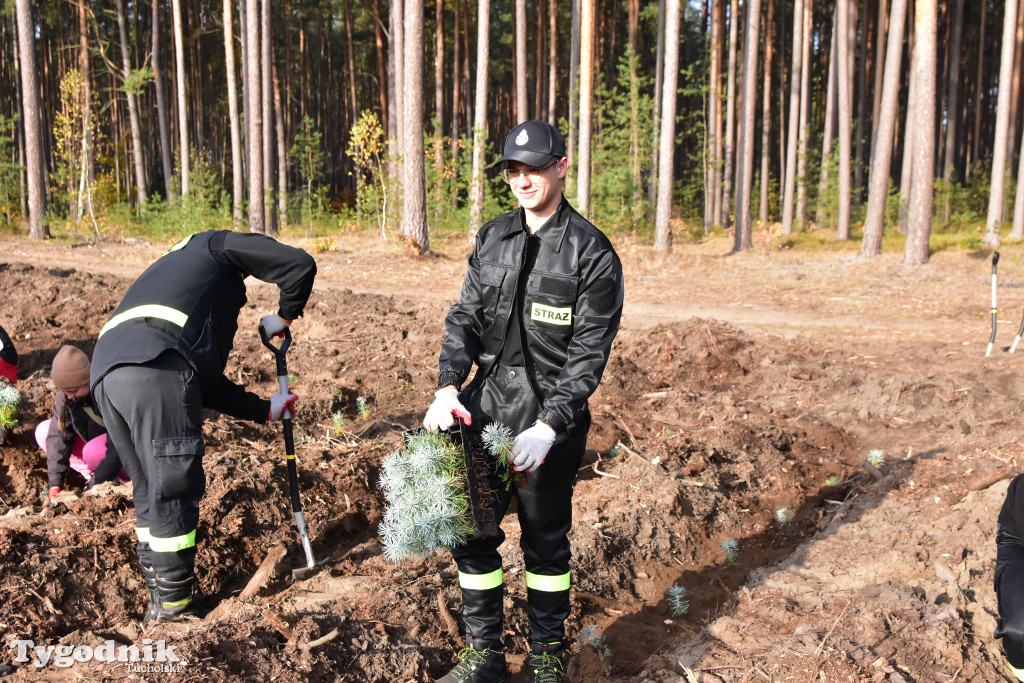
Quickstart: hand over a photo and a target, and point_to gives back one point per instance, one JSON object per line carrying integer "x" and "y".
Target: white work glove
{"x": 279, "y": 403}
{"x": 531, "y": 447}
{"x": 274, "y": 325}
{"x": 442, "y": 412}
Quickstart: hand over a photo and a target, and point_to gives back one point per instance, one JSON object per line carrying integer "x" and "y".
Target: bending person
{"x": 159, "y": 361}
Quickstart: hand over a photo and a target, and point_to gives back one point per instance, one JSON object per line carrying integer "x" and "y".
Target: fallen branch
{"x": 265, "y": 572}
{"x": 840, "y": 618}
{"x": 449, "y": 621}
{"x": 320, "y": 641}
{"x": 630, "y": 451}
{"x": 278, "y": 622}
{"x": 604, "y": 474}
{"x": 873, "y": 471}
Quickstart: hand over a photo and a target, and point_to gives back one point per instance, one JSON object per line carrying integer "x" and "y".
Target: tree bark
{"x": 952, "y": 96}
{"x": 862, "y": 104}
{"x": 254, "y": 117}
{"x": 476, "y": 188}
{"x": 520, "y": 62}
{"x": 880, "y": 53}
{"x": 414, "y": 200}
{"x": 805, "y": 96}
{"x": 921, "y": 191}
{"x": 789, "y": 191}
{"x": 979, "y": 85}
{"x": 999, "y": 160}
{"x": 351, "y": 59}
{"x": 766, "y": 112}
{"x": 552, "y": 58}
{"x": 574, "y": 88}
{"x": 663, "y": 215}
{"x": 659, "y": 75}
{"x": 438, "y": 76}
{"x": 133, "y": 113}
{"x": 845, "y": 110}
{"x": 586, "y": 105}
{"x": 730, "y": 113}
{"x": 878, "y": 183}
{"x": 742, "y": 239}
{"x": 237, "y": 184}
{"x": 32, "y": 113}
{"x": 267, "y": 91}
{"x": 826, "y": 137}
{"x": 282, "y": 154}
{"x": 179, "y": 64}
{"x": 382, "y": 66}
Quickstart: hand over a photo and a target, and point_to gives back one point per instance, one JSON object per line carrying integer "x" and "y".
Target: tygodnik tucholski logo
{"x": 149, "y": 657}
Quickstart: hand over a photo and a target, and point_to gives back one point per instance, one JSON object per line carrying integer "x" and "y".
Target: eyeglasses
{"x": 512, "y": 175}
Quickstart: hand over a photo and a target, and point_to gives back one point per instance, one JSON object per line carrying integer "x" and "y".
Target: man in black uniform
{"x": 159, "y": 361}
{"x": 539, "y": 308}
{"x": 1009, "y": 573}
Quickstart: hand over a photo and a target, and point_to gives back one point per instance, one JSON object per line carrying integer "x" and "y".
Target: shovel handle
{"x": 278, "y": 351}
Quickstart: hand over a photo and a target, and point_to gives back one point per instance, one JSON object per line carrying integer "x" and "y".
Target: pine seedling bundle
{"x": 427, "y": 497}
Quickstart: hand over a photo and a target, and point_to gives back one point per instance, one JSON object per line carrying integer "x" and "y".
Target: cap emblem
{"x": 522, "y": 138}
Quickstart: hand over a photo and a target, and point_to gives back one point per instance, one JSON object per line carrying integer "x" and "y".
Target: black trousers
{"x": 1010, "y": 596}
{"x": 544, "y": 506}
{"x": 153, "y": 413}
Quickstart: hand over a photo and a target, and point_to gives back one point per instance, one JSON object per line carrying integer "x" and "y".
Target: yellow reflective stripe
{"x": 143, "y": 533}
{"x": 549, "y": 584}
{"x": 289, "y": 457}
{"x": 148, "y": 311}
{"x": 171, "y": 604}
{"x": 1018, "y": 673}
{"x": 481, "y": 582}
{"x": 174, "y": 543}
{"x": 181, "y": 244}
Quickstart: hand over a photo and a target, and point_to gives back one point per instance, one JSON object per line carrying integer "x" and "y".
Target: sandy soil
{"x": 739, "y": 385}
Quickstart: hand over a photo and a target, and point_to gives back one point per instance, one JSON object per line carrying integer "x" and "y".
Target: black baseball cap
{"x": 534, "y": 143}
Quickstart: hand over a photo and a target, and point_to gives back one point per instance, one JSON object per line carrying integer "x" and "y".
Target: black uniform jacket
{"x": 572, "y": 306}
{"x": 189, "y": 301}
{"x": 85, "y": 422}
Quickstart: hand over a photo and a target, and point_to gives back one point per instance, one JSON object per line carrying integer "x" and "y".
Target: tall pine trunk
{"x": 744, "y": 207}
{"x": 254, "y": 117}
{"x": 999, "y": 157}
{"x": 476, "y": 187}
{"x": 586, "y": 105}
{"x": 666, "y": 177}
{"x": 32, "y": 114}
{"x": 133, "y": 113}
{"x": 766, "y": 111}
{"x": 520, "y": 61}
{"x": 730, "y": 113}
{"x": 237, "y": 184}
{"x": 789, "y": 190}
{"x": 845, "y": 110}
{"x": 415, "y": 230}
{"x": 921, "y": 191}
{"x": 878, "y": 183}
{"x": 179, "y": 75}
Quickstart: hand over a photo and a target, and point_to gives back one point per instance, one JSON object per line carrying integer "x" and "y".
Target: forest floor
{"x": 738, "y": 385}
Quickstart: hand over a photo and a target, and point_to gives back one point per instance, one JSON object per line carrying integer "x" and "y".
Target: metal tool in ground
{"x": 480, "y": 476}
{"x": 992, "y": 339}
{"x": 289, "y": 445}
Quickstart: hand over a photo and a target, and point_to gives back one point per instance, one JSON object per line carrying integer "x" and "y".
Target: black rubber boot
{"x": 482, "y": 661}
{"x": 176, "y": 600}
{"x": 545, "y": 664}
{"x": 149, "y": 574}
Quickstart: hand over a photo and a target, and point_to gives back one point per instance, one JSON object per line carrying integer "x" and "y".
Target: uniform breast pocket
{"x": 551, "y": 303}
{"x": 492, "y": 276}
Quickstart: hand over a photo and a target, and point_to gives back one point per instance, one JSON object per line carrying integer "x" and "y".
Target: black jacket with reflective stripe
{"x": 572, "y": 306}
{"x": 200, "y": 282}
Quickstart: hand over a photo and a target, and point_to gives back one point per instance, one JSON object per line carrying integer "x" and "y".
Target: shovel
{"x": 289, "y": 449}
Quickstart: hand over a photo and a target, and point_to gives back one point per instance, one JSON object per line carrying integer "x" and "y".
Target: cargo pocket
{"x": 492, "y": 276}
{"x": 178, "y": 465}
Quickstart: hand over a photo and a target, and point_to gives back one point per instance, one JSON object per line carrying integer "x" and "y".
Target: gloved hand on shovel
{"x": 274, "y": 325}
{"x": 279, "y": 403}
{"x": 442, "y": 412}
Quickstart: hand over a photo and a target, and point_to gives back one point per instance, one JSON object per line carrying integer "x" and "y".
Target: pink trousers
{"x": 85, "y": 457}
